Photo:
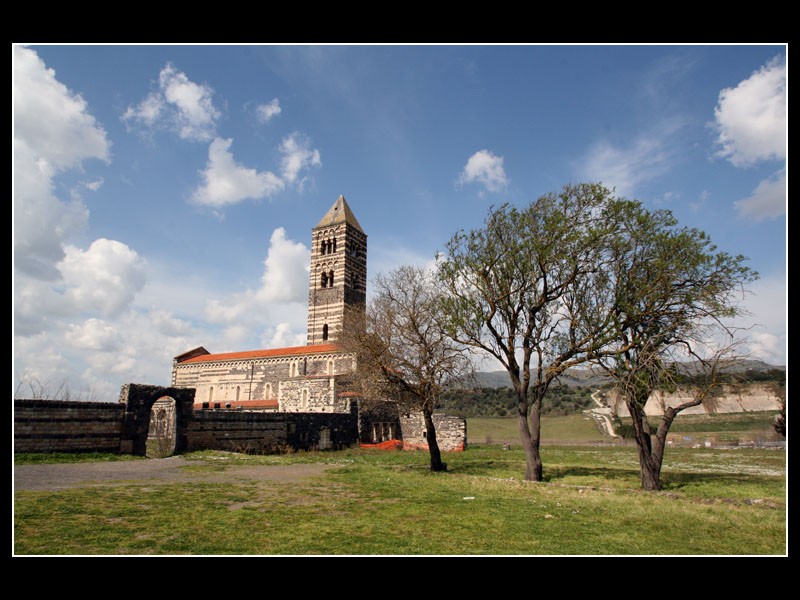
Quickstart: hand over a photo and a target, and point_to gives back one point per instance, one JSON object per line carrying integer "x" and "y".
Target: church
{"x": 317, "y": 377}
{"x": 310, "y": 378}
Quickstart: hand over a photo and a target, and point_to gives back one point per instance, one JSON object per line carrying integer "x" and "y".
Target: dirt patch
{"x": 152, "y": 471}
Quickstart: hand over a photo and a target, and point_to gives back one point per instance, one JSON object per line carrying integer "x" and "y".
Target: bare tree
{"x": 31, "y": 387}
{"x": 522, "y": 290}
{"x": 403, "y": 354}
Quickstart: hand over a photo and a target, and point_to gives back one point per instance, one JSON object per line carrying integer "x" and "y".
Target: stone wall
{"x": 66, "y": 426}
{"x": 266, "y": 432}
{"x": 451, "y": 432}
{"x": 748, "y": 398}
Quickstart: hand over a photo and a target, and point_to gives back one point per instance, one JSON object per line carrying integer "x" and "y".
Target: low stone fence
{"x": 67, "y": 426}
{"x": 266, "y": 432}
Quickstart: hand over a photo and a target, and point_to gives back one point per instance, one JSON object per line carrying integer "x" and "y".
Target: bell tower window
{"x": 325, "y": 332}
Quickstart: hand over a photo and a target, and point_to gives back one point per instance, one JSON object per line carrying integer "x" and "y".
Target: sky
{"x": 164, "y": 195}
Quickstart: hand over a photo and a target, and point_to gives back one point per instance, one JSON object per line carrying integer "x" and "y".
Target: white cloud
{"x": 765, "y": 325}
{"x": 105, "y": 278}
{"x": 625, "y": 169}
{"x": 282, "y": 296}
{"x": 265, "y": 112}
{"x": 286, "y": 274}
{"x": 53, "y": 132}
{"x": 53, "y": 121}
{"x": 751, "y": 118}
{"x": 768, "y": 200}
{"x": 179, "y": 104}
{"x": 93, "y": 334}
{"x": 225, "y": 182}
{"x": 485, "y": 168}
{"x": 296, "y": 156}
{"x": 93, "y": 185}
{"x": 282, "y": 336}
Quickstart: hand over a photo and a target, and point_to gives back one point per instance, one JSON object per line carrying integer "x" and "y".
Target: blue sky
{"x": 164, "y": 195}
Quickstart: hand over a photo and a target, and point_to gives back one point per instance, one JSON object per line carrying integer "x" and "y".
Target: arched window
{"x": 304, "y": 399}
{"x": 238, "y": 390}
{"x": 330, "y": 367}
{"x": 322, "y": 247}
{"x": 324, "y": 279}
{"x": 325, "y": 332}
{"x": 211, "y": 393}
{"x": 269, "y": 391}
{"x": 330, "y": 279}
{"x": 334, "y": 244}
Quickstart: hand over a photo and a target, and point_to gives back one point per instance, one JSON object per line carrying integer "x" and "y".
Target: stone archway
{"x": 139, "y": 401}
{"x": 161, "y": 432}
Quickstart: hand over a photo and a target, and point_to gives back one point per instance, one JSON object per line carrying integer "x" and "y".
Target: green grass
{"x": 375, "y": 502}
{"x": 555, "y": 430}
{"x": 67, "y": 457}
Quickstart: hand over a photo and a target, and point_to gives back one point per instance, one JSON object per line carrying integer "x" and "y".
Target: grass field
{"x": 715, "y": 502}
{"x": 579, "y": 428}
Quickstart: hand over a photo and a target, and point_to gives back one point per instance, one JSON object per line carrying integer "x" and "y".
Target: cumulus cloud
{"x": 768, "y": 200}
{"x": 53, "y": 121}
{"x": 296, "y": 155}
{"x": 282, "y": 336}
{"x": 104, "y": 278}
{"x": 179, "y": 104}
{"x": 53, "y": 132}
{"x": 93, "y": 334}
{"x": 285, "y": 280}
{"x": 282, "y": 297}
{"x": 226, "y": 182}
{"x": 750, "y": 118}
{"x": 486, "y": 169}
{"x": 286, "y": 275}
{"x": 265, "y": 112}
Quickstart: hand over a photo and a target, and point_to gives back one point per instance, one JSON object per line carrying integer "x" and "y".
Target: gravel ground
{"x": 165, "y": 470}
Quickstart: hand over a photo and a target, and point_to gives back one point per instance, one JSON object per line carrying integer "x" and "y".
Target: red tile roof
{"x": 270, "y": 353}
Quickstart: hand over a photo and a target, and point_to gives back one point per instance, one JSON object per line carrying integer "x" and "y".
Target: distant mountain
{"x": 594, "y": 378}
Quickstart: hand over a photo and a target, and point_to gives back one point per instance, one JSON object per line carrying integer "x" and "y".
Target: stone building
{"x": 310, "y": 378}
{"x": 317, "y": 377}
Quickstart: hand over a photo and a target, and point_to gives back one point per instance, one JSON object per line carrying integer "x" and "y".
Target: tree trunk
{"x": 649, "y": 468}
{"x": 530, "y": 442}
{"x": 433, "y": 445}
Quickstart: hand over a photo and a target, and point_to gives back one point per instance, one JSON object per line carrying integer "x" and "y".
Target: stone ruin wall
{"x": 749, "y": 398}
{"x": 67, "y": 426}
{"x": 451, "y": 432}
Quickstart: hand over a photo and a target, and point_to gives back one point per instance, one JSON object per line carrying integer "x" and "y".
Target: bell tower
{"x": 338, "y": 272}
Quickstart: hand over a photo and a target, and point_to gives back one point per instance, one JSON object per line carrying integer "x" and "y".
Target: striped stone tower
{"x": 338, "y": 272}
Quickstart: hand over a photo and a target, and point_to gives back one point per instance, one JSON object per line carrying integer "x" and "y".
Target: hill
{"x": 594, "y": 378}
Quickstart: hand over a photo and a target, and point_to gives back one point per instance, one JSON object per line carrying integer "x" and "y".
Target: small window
{"x": 330, "y": 279}
{"x": 324, "y": 280}
{"x": 325, "y": 332}
{"x": 334, "y": 244}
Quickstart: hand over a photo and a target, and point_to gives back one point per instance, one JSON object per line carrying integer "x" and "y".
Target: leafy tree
{"x": 403, "y": 353}
{"x": 669, "y": 291}
{"x": 521, "y": 289}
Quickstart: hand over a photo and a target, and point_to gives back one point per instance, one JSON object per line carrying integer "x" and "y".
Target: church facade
{"x": 317, "y": 377}
{"x": 310, "y": 378}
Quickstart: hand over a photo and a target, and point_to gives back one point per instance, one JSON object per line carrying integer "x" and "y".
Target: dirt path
{"x": 165, "y": 470}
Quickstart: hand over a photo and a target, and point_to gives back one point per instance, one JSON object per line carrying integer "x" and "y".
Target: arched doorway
{"x": 162, "y": 429}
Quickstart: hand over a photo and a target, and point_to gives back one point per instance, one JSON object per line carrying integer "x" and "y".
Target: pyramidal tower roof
{"x": 339, "y": 213}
